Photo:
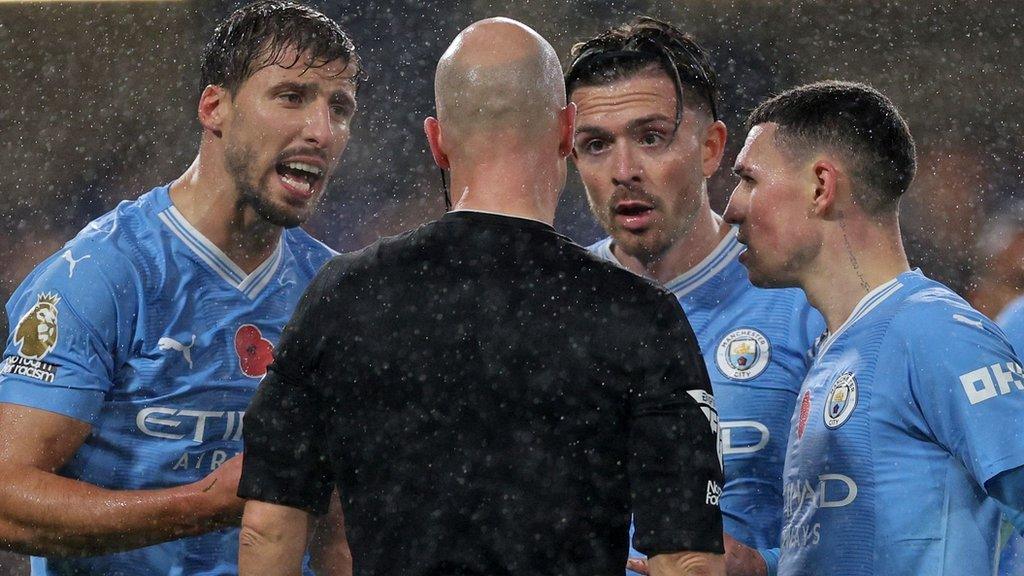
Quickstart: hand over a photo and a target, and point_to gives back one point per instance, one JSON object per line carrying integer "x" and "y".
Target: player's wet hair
{"x": 625, "y": 51}
{"x": 257, "y": 35}
{"x": 855, "y": 121}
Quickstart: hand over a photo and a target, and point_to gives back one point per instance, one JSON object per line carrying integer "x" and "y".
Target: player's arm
{"x": 44, "y": 513}
{"x": 272, "y": 541}
{"x": 687, "y": 564}
{"x": 969, "y": 389}
{"x": 58, "y": 366}
{"x": 328, "y": 545}
{"x": 1008, "y": 490}
{"x": 740, "y": 560}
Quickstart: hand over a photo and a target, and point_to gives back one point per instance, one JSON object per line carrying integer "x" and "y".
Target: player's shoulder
{"x": 602, "y": 248}
{"x": 107, "y": 254}
{"x": 1012, "y": 315}
{"x": 309, "y": 253}
{"x": 929, "y": 311}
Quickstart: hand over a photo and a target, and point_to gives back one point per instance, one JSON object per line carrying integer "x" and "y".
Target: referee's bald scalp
{"x": 498, "y": 75}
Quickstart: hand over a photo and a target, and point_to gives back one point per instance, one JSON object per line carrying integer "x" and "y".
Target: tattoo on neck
{"x": 853, "y": 259}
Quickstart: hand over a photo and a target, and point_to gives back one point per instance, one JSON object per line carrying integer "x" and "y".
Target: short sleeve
{"x": 68, "y": 320}
{"x": 286, "y": 458}
{"x": 675, "y": 457}
{"x": 970, "y": 387}
{"x": 1011, "y": 320}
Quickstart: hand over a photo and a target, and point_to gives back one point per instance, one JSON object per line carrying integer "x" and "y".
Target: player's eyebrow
{"x": 600, "y": 132}
{"x": 593, "y": 131}
{"x": 651, "y": 118}
{"x": 343, "y": 99}
{"x": 304, "y": 87}
{"x": 339, "y": 97}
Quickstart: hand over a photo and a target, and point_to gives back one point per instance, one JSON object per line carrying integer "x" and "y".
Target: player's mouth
{"x": 633, "y": 215}
{"x": 743, "y": 253}
{"x": 301, "y": 179}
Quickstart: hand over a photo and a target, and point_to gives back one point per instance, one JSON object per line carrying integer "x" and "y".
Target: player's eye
{"x": 291, "y": 97}
{"x": 341, "y": 110}
{"x": 651, "y": 139}
{"x": 594, "y": 146}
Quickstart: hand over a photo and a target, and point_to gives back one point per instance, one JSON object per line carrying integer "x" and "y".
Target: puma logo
{"x": 965, "y": 320}
{"x": 67, "y": 256}
{"x": 166, "y": 343}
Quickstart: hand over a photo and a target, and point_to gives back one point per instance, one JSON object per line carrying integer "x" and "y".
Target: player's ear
{"x": 713, "y": 147}
{"x": 826, "y": 181}
{"x": 212, "y": 108}
{"x": 567, "y": 129}
{"x": 432, "y": 128}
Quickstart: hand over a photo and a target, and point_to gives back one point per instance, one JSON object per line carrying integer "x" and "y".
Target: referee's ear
{"x": 433, "y": 130}
{"x": 567, "y": 129}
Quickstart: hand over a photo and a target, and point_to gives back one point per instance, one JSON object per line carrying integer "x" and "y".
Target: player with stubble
{"x": 137, "y": 347}
{"x": 488, "y": 397}
{"x": 648, "y": 137}
{"x": 907, "y": 443}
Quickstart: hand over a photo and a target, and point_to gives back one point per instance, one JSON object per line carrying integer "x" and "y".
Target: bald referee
{"x": 487, "y": 396}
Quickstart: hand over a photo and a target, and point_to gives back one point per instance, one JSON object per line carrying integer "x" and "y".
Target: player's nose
{"x": 626, "y": 165}
{"x": 736, "y": 210}
{"x": 319, "y": 128}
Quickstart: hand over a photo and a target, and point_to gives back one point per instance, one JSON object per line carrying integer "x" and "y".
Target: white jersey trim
{"x": 250, "y": 285}
{"x": 868, "y": 303}
{"x": 728, "y": 249}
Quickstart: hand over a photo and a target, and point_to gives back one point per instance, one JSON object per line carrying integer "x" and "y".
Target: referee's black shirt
{"x": 489, "y": 398}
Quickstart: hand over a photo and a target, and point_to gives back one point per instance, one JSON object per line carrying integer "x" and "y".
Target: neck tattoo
{"x": 853, "y": 259}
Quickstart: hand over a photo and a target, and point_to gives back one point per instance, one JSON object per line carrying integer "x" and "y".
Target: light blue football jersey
{"x": 144, "y": 329}
{"x": 1011, "y": 320}
{"x": 755, "y": 343}
{"x": 910, "y": 407}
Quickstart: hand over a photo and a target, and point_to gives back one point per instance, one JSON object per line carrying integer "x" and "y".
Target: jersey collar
{"x": 728, "y": 249}
{"x": 868, "y": 303}
{"x": 251, "y": 285}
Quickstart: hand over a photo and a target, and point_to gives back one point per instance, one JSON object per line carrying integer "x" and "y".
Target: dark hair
{"x": 853, "y": 120}
{"x": 626, "y": 50}
{"x": 257, "y": 35}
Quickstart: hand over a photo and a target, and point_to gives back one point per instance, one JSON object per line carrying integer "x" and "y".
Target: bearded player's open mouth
{"x": 300, "y": 178}
{"x": 633, "y": 214}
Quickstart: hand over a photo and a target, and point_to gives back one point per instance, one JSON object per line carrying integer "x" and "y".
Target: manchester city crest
{"x": 743, "y": 354}
{"x": 841, "y": 400}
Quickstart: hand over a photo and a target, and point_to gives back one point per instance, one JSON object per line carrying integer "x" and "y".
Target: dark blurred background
{"x": 99, "y": 106}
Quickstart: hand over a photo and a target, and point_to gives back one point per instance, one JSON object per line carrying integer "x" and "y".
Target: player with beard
{"x": 647, "y": 138}
{"x": 138, "y": 346}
